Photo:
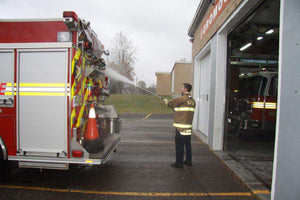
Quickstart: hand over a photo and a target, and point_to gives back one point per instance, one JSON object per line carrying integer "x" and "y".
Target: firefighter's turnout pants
{"x": 180, "y": 142}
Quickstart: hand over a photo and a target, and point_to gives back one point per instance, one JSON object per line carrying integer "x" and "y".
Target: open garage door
{"x": 252, "y": 74}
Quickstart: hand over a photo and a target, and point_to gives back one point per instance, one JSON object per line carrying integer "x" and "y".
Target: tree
{"x": 122, "y": 59}
{"x": 123, "y": 55}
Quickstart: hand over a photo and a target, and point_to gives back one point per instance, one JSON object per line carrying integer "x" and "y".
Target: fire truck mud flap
{"x": 110, "y": 145}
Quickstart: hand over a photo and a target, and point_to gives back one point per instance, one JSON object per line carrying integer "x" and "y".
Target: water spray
{"x": 117, "y": 76}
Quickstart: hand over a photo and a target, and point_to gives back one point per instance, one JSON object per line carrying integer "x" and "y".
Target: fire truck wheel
{"x": 3, "y": 166}
{"x": 1, "y": 158}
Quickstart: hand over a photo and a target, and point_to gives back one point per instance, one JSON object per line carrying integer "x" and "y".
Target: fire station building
{"x": 245, "y": 57}
{"x": 169, "y": 84}
{"x": 163, "y": 83}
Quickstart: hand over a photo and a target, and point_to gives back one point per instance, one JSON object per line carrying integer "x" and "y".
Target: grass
{"x": 138, "y": 104}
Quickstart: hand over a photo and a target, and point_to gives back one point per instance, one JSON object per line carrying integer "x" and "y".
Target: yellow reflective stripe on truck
{"x": 261, "y": 105}
{"x": 37, "y": 94}
{"x": 37, "y": 89}
{"x": 184, "y": 109}
{"x": 42, "y": 94}
{"x": 10, "y": 84}
{"x": 73, "y": 114}
{"x": 82, "y": 109}
{"x": 76, "y": 58}
{"x": 39, "y": 84}
{"x": 43, "y": 84}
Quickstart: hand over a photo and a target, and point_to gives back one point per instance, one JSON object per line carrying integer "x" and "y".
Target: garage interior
{"x": 253, "y": 48}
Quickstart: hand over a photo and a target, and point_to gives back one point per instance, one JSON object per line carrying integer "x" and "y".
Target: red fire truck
{"x": 51, "y": 72}
{"x": 253, "y": 106}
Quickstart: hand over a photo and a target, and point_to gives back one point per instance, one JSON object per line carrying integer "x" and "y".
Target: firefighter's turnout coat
{"x": 184, "y": 108}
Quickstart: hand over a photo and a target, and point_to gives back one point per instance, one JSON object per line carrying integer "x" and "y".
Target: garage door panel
{"x": 204, "y": 94}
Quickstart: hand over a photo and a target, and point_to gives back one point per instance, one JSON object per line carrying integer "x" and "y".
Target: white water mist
{"x": 113, "y": 74}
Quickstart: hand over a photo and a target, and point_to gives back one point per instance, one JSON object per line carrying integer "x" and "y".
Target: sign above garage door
{"x": 213, "y": 16}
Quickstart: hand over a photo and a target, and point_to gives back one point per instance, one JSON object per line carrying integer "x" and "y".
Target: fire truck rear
{"x": 253, "y": 106}
{"x": 53, "y": 88}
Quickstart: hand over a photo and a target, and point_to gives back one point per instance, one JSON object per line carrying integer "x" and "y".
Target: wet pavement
{"x": 140, "y": 169}
{"x": 255, "y": 151}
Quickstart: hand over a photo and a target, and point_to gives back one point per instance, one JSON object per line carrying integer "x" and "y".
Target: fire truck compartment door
{"x": 6, "y": 78}
{"x": 42, "y": 102}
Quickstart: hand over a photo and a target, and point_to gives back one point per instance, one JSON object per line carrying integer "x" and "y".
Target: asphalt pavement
{"x": 140, "y": 169}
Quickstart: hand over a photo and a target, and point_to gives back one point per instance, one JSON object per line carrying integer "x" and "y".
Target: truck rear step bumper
{"x": 63, "y": 163}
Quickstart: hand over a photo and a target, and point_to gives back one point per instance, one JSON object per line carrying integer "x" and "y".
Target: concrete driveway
{"x": 140, "y": 169}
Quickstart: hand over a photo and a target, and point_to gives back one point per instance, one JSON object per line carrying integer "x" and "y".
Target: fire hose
{"x": 149, "y": 92}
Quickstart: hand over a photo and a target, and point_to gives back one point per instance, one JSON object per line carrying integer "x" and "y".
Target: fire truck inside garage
{"x": 252, "y": 76}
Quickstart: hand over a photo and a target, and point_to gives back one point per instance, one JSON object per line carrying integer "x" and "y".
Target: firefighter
{"x": 184, "y": 107}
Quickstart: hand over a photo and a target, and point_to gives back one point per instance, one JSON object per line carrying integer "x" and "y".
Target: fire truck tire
{"x": 3, "y": 166}
{"x": 1, "y": 158}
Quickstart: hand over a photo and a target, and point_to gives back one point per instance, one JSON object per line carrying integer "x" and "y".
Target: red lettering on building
{"x": 213, "y": 16}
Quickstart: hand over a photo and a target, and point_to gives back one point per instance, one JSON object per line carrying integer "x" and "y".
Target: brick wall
{"x": 163, "y": 84}
{"x": 183, "y": 74}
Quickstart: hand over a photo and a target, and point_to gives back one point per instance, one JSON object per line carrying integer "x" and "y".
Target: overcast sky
{"x": 157, "y": 28}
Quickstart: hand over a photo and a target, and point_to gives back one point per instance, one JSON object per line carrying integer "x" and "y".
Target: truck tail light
{"x": 77, "y": 154}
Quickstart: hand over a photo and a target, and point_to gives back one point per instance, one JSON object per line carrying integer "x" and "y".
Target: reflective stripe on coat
{"x": 184, "y": 108}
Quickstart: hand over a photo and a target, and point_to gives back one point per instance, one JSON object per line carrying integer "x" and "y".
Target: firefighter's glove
{"x": 166, "y": 101}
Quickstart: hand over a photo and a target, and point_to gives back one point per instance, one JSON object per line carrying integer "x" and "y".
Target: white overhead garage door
{"x": 204, "y": 94}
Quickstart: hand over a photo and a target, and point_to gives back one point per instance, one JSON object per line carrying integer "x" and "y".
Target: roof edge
{"x": 202, "y": 8}
{"x": 162, "y": 73}
{"x": 180, "y": 62}
{"x": 30, "y": 19}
